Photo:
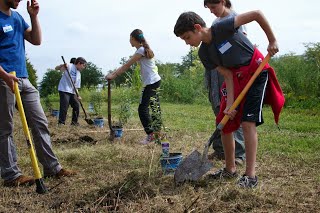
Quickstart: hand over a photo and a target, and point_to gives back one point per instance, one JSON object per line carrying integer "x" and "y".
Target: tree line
{"x": 299, "y": 76}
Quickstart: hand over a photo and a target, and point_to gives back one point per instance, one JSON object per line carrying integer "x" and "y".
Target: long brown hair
{"x": 227, "y": 3}
{"x": 138, "y": 36}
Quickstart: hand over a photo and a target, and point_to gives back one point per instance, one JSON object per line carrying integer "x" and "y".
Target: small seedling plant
{"x": 157, "y": 121}
{"x": 96, "y": 99}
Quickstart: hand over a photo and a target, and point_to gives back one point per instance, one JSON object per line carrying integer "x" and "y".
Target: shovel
{"x": 194, "y": 166}
{"x": 40, "y": 187}
{"x": 112, "y": 132}
{"x": 89, "y": 121}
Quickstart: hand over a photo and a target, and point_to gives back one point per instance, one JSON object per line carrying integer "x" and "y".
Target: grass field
{"x": 126, "y": 176}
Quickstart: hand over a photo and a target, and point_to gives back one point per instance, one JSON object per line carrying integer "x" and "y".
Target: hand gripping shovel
{"x": 112, "y": 132}
{"x": 89, "y": 121}
{"x": 194, "y": 166}
{"x": 41, "y": 188}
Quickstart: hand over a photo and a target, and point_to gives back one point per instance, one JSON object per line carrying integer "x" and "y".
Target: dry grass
{"x": 126, "y": 177}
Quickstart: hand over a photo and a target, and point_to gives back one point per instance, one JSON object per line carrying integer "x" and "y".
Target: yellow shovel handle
{"x": 26, "y": 131}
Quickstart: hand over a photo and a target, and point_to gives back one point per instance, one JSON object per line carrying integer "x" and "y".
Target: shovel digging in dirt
{"x": 194, "y": 166}
{"x": 40, "y": 187}
{"x": 89, "y": 121}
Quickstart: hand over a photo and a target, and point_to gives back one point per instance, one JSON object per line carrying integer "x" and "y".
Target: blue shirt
{"x": 12, "y": 46}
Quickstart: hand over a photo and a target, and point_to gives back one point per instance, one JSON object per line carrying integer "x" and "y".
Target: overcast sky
{"x": 99, "y": 30}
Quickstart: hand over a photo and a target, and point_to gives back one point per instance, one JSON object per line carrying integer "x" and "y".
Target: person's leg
{"x": 143, "y": 109}
{"x": 229, "y": 171}
{"x": 216, "y": 141}
{"x": 239, "y": 144}
{"x": 252, "y": 117}
{"x": 154, "y": 104}
{"x": 38, "y": 123}
{"x": 251, "y": 141}
{"x": 216, "y": 81}
{"x": 8, "y": 155}
{"x": 64, "y": 104}
{"x": 75, "y": 109}
{"x": 228, "y": 147}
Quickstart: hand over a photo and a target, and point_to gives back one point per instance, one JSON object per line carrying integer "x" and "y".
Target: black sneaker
{"x": 223, "y": 174}
{"x": 248, "y": 182}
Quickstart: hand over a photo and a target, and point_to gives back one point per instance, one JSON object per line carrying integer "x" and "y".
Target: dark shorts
{"x": 252, "y": 110}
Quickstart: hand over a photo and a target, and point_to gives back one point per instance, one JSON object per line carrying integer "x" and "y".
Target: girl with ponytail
{"x": 150, "y": 78}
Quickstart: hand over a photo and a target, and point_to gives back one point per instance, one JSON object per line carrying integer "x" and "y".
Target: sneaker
{"x": 248, "y": 182}
{"x": 216, "y": 155}
{"x": 223, "y": 174}
{"x": 150, "y": 138}
{"x": 61, "y": 123}
{"x": 22, "y": 180}
{"x": 62, "y": 173}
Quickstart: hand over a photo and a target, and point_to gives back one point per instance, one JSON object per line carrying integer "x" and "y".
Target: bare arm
{"x": 228, "y": 78}
{"x": 61, "y": 67}
{"x": 258, "y": 16}
{"x": 136, "y": 57}
{"x": 33, "y": 34}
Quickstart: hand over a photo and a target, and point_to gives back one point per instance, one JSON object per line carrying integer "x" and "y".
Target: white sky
{"x": 99, "y": 30}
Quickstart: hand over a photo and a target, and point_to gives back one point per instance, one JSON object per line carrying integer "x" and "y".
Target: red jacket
{"x": 241, "y": 76}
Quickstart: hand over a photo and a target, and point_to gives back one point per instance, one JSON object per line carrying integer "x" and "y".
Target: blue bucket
{"x": 171, "y": 163}
{"x": 118, "y": 132}
{"x": 55, "y": 113}
{"x": 98, "y": 122}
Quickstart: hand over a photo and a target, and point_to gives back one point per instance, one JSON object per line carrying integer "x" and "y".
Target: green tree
{"x": 183, "y": 83}
{"x": 32, "y": 73}
{"x": 49, "y": 83}
{"x": 91, "y": 76}
{"x": 189, "y": 60}
{"x": 312, "y": 54}
{"x": 122, "y": 79}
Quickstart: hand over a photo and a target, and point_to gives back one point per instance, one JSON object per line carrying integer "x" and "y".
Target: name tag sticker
{"x": 224, "y": 47}
{"x": 7, "y": 28}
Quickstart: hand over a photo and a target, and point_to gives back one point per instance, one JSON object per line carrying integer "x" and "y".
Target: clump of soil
{"x": 87, "y": 139}
{"x": 81, "y": 139}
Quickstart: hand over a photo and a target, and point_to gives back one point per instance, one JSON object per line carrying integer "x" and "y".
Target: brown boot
{"x": 62, "y": 173}
{"x": 22, "y": 180}
{"x": 65, "y": 173}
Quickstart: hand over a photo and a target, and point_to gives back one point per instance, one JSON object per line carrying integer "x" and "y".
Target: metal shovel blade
{"x": 192, "y": 168}
{"x": 89, "y": 121}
